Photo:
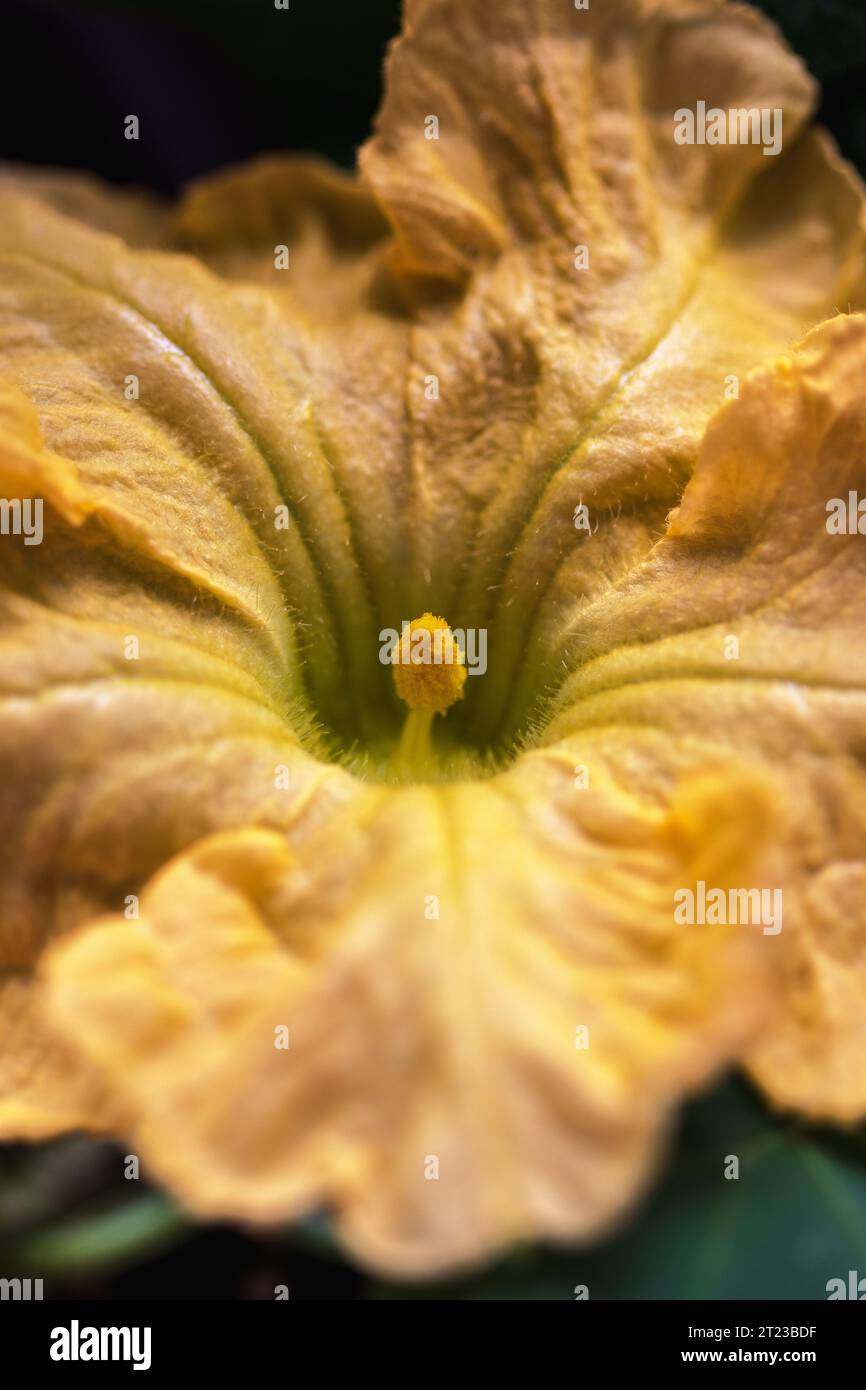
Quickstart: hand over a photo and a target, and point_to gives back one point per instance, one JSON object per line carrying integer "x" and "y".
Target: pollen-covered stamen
{"x": 429, "y": 671}
{"x": 429, "y": 674}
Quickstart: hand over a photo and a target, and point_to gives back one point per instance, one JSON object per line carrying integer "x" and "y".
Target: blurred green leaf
{"x": 124, "y": 1235}
{"x": 39, "y": 1182}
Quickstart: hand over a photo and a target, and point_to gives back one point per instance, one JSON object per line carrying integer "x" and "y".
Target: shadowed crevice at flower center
{"x": 503, "y": 695}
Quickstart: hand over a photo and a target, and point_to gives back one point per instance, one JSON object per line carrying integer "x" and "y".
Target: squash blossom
{"x": 560, "y": 377}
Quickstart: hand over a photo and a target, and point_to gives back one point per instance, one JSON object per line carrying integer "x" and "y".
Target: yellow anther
{"x": 428, "y": 665}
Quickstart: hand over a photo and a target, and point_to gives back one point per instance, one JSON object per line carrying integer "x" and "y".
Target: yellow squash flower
{"x": 535, "y": 378}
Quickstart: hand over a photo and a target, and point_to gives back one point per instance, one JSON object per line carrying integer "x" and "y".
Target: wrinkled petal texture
{"x": 463, "y": 1014}
{"x": 749, "y": 555}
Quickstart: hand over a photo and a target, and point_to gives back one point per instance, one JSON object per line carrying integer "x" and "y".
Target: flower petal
{"x": 748, "y": 558}
{"x": 331, "y": 227}
{"x": 434, "y": 960}
{"x": 139, "y": 217}
{"x": 561, "y": 386}
{"x": 148, "y": 664}
{"x": 223, "y": 423}
{"x": 345, "y": 322}
{"x": 464, "y": 389}
{"x": 45, "y": 1087}
{"x": 575, "y": 128}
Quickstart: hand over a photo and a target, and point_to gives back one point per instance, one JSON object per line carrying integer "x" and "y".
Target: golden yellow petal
{"x": 742, "y": 635}
{"x": 458, "y": 1017}
{"x": 136, "y": 215}
{"x": 45, "y": 1087}
{"x": 562, "y": 384}
{"x": 431, "y": 449}
{"x": 316, "y": 240}
{"x": 149, "y": 644}
{"x": 330, "y": 229}
{"x": 519, "y": 122}
{"x": 28, "y": 469}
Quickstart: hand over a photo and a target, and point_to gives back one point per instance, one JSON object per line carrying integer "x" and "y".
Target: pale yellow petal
{"x": 742, "y": 636}
{"x": 561, "y": 385}
{"x": 45, "y": 1087}
{"x": 489, "y": 1012}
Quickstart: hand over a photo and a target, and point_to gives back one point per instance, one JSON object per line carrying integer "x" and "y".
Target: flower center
{"x": 429, "y": 666}
{"x": 415, "y": 702}
{"x": 429, "y": 675}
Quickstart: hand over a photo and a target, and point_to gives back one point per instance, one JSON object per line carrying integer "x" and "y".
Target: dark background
{"x": 214, "y": 82}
